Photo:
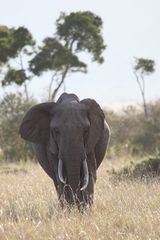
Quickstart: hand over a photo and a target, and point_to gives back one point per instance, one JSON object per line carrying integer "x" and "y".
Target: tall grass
{"x": 121, "y": 210}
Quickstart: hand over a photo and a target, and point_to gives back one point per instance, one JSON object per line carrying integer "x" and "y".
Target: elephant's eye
{"x": 86, "y": 130}
{"x": 56, "y": 130}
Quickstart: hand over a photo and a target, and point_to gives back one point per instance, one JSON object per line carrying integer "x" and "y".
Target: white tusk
{"x": 86, "y": 175}
{"x": 60, "y": 170}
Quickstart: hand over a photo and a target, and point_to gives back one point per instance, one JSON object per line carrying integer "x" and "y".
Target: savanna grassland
{"x": 122, "y": 209}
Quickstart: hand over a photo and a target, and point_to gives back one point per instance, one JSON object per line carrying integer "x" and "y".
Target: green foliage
{"x": 6, "y": 41}
{"x": 12, "y": 41}
{"x": 143, "y": 65}
{"x": 145, "y": 169}
{"x": 134, "y": 134}
{"x": 22, "y": 38}
{"x": 12, "y": 110}
{"x": 147, "y": 137}
{"x": 14, "y": 45}
{"x": 123, "y": 125}
{"x": 83, "y": 29}
{"x": 14, "y": 76}
{"x": 54, "y": 56}
{"x": 75, "y": 33}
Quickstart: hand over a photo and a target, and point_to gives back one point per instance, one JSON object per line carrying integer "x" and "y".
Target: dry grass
{"x": 122, "y": 210}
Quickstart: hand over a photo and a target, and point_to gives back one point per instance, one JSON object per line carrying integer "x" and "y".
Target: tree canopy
{"x": 78, "y": 32}
{"x": 75, "y": 33}
{"x": 143, "y": 67}
{"x": 14, "y": 43}
{"x": 54, "y": 56}
{"x": 81, "y": 31}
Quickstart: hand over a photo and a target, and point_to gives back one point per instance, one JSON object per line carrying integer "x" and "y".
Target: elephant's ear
{"x": 96, "y": 118}
{"x": 36, "y": 123}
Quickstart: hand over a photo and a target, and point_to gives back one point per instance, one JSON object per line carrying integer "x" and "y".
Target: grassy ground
{"x": 122, "y": 209}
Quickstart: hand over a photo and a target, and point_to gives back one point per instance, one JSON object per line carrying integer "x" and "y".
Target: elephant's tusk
{"x": 86, "y": 175}
{"x": 60, "y": 169}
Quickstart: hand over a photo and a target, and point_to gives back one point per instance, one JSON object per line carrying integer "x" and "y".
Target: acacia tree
{"x": 75, "y": 33}
{"x": 142, "y": 68}
{"x": 15, "y": 46}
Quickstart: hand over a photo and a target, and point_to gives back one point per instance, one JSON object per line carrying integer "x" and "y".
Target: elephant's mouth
{"x": 85, "y": 179}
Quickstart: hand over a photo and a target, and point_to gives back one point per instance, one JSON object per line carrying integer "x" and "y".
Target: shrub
{"x": 12, "y": 110}
{"x": 132, "y": 133}
{"x": 145, "y": 169}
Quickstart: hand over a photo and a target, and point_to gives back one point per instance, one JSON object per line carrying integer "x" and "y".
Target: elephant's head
{"x": 70, "y": 130}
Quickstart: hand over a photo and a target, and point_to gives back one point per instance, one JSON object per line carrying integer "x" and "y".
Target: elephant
{"x": 69, "y": 138}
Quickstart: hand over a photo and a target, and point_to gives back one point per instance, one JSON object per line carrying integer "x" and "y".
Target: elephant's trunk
{"x": 73, "y": 176}
{"x": 73, "y": 183}
{"x": 85, "y": 179}
{"x": 72, "y": 168}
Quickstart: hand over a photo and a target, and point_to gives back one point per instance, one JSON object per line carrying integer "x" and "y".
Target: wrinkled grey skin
{"x": 70, "y": 130}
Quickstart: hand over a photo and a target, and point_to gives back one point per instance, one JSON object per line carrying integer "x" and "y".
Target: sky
{"x": 130, "y": 29}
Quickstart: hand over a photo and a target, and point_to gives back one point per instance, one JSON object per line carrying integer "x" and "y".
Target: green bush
{"x": 148, "y": 168}
{"x": 12, "y": 110}
{"x": 133, "y": 133}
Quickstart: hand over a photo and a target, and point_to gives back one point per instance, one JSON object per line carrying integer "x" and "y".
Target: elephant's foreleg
{"x": 89, "y": 192}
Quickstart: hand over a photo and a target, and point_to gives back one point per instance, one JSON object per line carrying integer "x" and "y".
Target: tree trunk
{"x": 64, "y": 74}
{"x": 25, "y": 85}
{"x": 50, "y": 88}
{"x": 144, "y": 105}
{"x": 26, "y": 91}
{"x": 142, "y": 90}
